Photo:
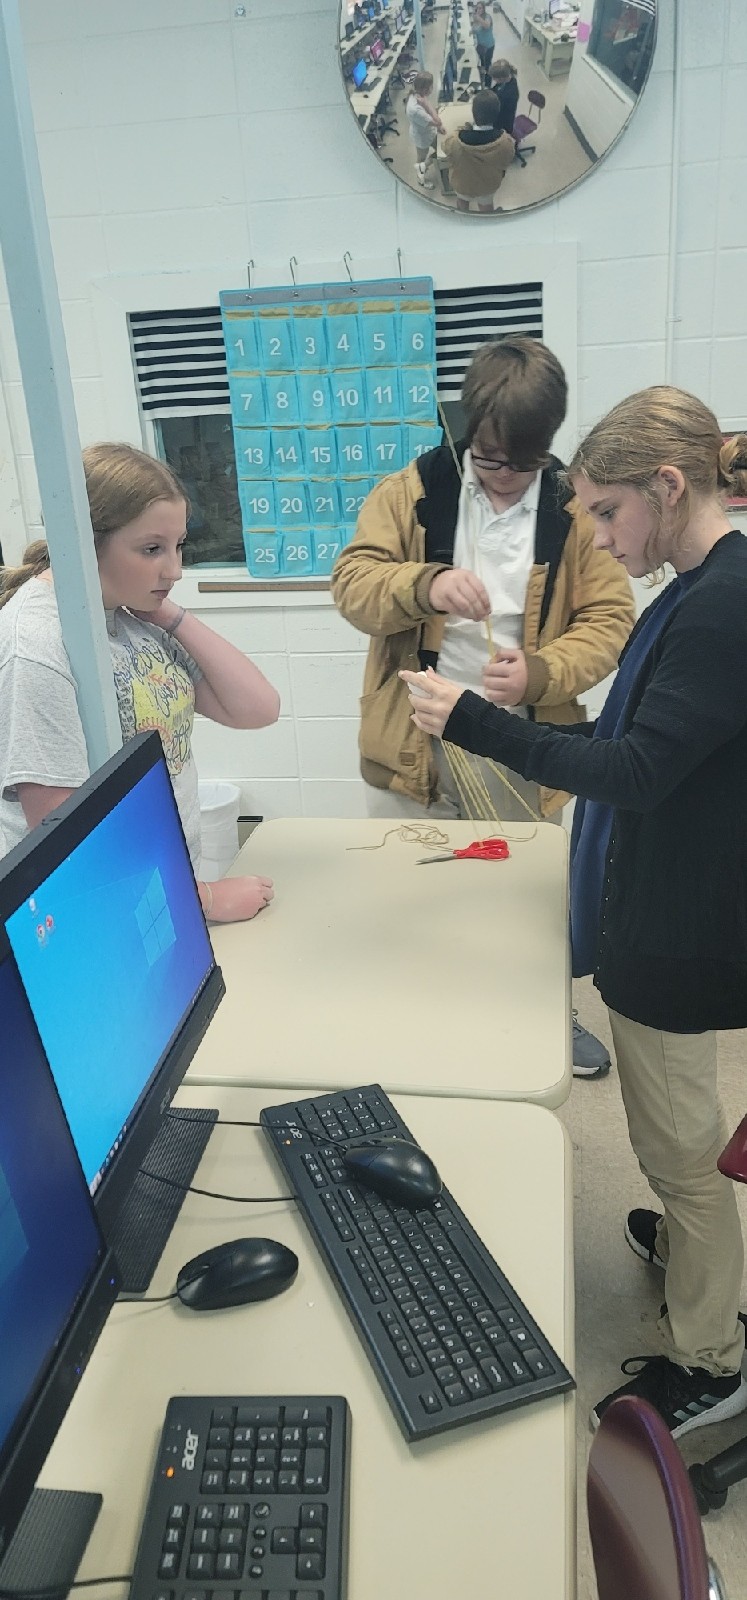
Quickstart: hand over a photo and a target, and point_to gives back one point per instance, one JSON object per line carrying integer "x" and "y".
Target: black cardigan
{"x": 673, "y": 941}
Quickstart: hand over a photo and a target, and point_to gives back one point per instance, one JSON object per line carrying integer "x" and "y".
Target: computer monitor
{"x": 447, "y": 86}
{"x": 360, "y": 73}
{"x": 556, "y": 5}
{"x": 377, "y": 50}
{"x": 58, "y": 1281}
{"x": 102, "y": 914}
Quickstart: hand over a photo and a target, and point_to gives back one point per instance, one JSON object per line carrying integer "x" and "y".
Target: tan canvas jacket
{"x": 476, "y": 169}
{"x": 573, "y": 634}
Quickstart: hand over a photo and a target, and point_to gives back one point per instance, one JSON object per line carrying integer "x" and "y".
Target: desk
{"x": 365, "y": 102}
{"x": 556, "y": 53}
{"x": 447, "y": 979}
{"x": 487, "y": 1510}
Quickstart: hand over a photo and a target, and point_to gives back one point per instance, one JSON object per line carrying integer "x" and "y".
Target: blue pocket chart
{"x": 253, "y": 452}
{"x": 326, "y": 545}
{"x": 324, "y": 504}
{"x": 263, "y": 554}
{"x": 386, "y": 447}
{"x": 320, "y": 452}
{"x": 297, "y": 559}
{"x": 287, "y": 450}
{"x": 352, "y": 450}
{"x": 291, "y": 505}
{"x": 315, "y": 396}
{"x": 276, "y": 341}
{"x": 332, "y": 387}
{"x": 257, "y": 501}
{"x": 282, "y": 397}
{"x": 248, "y": 409}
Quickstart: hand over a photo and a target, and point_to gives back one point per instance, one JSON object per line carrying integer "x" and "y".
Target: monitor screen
{"x": 57, "y": 1281}
{"x": 377, "y": 49}
{"x": 104, "y": 920}
{"x": 360, "y": 72}
{"x": 554, "y": 6}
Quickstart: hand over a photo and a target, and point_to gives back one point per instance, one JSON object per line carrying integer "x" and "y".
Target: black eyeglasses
{"x": 493, "y": 464}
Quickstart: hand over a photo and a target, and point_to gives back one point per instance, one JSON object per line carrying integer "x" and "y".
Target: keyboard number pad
{"x": 255, "y": 1451}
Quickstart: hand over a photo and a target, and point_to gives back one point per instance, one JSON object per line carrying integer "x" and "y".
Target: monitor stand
{"x": 148, "y": 1215}
{"x": 47, "y": 1547}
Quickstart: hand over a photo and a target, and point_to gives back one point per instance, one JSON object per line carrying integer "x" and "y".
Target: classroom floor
{"x": 618, "y": 1296}
{"x": 559, "y": 159}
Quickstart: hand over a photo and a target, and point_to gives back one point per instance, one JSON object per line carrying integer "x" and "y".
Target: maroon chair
{"x": 713, "y": 1479}
{"x": 524, "y": 126}
{"x": 646, "y": 1534}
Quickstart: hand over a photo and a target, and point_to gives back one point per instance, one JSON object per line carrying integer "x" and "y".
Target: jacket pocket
{"x": 387, "y": 736}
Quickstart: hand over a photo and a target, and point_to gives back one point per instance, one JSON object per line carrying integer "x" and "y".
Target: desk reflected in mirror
{"x": 485, "y": 108}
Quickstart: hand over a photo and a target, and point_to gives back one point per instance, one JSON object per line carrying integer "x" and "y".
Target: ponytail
{"x": 732, "y": 466}
{"x": 35, "y": 561}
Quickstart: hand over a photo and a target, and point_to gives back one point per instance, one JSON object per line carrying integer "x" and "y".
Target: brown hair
{"x": 422, "y": 82}
{"x": 659, "y": 427}
{"x": 502, "y": 70}
{"x": 518, "y": 388}
{"x": 121, "y": 483}
{"x": 486, "y": 108}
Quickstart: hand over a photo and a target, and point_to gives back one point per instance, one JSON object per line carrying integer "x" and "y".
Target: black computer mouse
{"x": 234, "y": 1273}
{"x": 395, "y": 1169}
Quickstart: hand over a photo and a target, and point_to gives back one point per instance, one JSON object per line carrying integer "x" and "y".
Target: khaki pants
{"x": 384, "y": 803}
{"x": 678, "y": 1130}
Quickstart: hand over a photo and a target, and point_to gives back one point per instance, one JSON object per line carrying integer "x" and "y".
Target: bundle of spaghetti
{"x": 476, "y": 799}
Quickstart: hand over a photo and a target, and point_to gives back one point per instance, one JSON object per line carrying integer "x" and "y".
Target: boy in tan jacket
{"x": 445, "y": 545}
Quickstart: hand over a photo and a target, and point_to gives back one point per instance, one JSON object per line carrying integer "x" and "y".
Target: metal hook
{"x": 347, "y": 258}
{"x": 249, "y": 271}
{"x": 401, "y": 269}
{"x": 292, "y": 264}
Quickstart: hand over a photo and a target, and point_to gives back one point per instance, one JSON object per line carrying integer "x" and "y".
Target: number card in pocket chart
{"x": 332, "y": 387}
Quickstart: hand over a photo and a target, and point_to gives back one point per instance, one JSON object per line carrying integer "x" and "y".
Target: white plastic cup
{"x": 219, "y": 827}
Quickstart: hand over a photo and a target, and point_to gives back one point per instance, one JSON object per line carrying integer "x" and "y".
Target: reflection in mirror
{"x": 494, "y": 107}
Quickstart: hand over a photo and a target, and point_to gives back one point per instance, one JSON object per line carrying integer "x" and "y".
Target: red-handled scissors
{"x": 479, "y": 850}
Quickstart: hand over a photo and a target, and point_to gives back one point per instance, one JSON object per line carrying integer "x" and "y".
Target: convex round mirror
{"x": 485, "y": 108}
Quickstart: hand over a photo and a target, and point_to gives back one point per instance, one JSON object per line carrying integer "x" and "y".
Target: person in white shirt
{"x": 424, "y": 125}
{"x": 476, "y": 543}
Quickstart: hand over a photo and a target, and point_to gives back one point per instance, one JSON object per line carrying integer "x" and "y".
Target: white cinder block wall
{"x": 179, "y": 140}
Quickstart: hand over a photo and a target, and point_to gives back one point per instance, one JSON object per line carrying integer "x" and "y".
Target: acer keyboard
{"x": 249, "y": 1498}
{"x": 449, "y": 1338}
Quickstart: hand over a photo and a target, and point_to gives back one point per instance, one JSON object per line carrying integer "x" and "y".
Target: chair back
{"x": 524, "y": 125}
{"x": 733, "y": 1160}
{"x": 646, "y": 1534}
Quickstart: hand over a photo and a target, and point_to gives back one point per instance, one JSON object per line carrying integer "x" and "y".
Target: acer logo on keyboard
{"x": 189, "y": 1458}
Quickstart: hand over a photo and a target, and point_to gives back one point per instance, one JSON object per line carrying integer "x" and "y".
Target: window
{"x": 622, "y": 39}
{"x": 199, "y": 449}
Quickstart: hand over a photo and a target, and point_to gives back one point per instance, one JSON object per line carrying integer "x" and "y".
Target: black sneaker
{"x": 640, "y": 1232}
{"x": 686, "y": 1397}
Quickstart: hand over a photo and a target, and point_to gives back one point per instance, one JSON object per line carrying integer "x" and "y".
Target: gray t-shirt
{"x": 41, "y": 736}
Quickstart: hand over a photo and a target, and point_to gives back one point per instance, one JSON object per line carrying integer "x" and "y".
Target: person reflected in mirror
{"x": 479, "y": 155}
{"x": 504, "y": 83}
{"x": 166, "y": 663}
{"x": 482, "y": 27}
{"x": 486, "y": 530}
{"x": 424, "y": 124}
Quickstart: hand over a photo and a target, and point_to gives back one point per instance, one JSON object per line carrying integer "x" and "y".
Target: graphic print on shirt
{"x": 155, "y": 692}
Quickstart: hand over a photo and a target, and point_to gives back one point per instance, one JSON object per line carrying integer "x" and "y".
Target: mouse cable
{"x": 142, "y": 1300}
{"x": 60, "y": 1592}
{"x": 221, "y": 1122}
{"x": 210, "y": 1194}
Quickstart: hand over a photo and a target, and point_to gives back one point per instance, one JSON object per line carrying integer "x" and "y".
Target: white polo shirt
{"x": 498, "y": 546}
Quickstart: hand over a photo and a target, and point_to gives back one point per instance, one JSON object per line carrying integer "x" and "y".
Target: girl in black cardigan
{"x": 659, "y": 853}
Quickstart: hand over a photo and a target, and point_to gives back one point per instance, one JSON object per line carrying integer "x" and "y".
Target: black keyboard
{"x": 449, "y": 1338}
{"x": 249, "y": 1498}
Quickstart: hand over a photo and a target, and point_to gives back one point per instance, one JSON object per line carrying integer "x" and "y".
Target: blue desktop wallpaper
{"x": 49, "y": 1242}
{"x": 112, "y": 949}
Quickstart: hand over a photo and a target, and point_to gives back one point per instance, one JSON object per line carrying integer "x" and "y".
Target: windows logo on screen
{"x": 154, "y": 921}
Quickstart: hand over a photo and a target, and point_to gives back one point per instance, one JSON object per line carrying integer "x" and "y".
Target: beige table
{"x": 451, "y": 978}
{"x": 487, "y": 1510}
{"x": 556, "y": 50}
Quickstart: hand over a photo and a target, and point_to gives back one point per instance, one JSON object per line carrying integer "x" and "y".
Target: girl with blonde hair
{"x": 659, "y": 859}
{"x": 166, "y": 664}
